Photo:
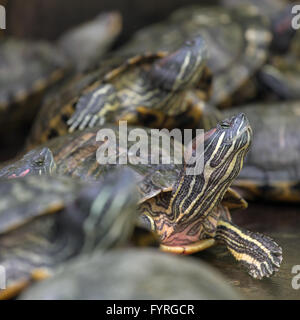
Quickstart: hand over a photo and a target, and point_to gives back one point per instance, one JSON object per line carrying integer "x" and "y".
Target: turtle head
{"x": 181, "y": 69}
{"x": 195, "y": 198}
{"x": 35, "y": 162}
{"x": 223, "y": 153}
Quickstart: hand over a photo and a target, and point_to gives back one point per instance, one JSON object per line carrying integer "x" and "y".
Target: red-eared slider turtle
{"x": 35, "y": 162}
{"x": 151, "y": 89}
{"x": 238, "y": 40}
{"x": 271, "y": 169}
{"x": 188, "y": 212}
{"x": 45, "y": 221}
{"x": 190, "y": 217}
{"x": 28, "y": 69}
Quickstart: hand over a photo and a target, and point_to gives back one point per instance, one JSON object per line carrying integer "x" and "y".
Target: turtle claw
{"x": 260, "y": 254}
{"x": 265, "y": 259}
{"x": 89, "y": 106}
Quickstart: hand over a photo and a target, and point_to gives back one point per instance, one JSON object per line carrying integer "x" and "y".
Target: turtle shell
{"x": 27, "y": 70}
{"x": 45, "y": 221}
{"x": 141, "y": 89}
{"x": 76, "y": 155}
{"x": 271, "y": 169}
{"x": 87, "y": 43}
{"x": 238, "y": 39}
{"x": 280, "y": 77}
{"x": 30, "y": 197}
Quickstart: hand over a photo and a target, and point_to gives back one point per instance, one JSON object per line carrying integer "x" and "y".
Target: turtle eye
{"x": 39, "y": 162}
{"x": 225, "y": 124}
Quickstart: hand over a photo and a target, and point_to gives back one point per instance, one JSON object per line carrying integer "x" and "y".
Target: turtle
{"x": 271, "y": 170}
{"x": 279, "y": 78}
{"x": 238, "y": 37}
{"x": 150, "y": 89}
{"x": 30, "y": 68}
{"x": 35, "y": 162}
{"x": 101, "y": 277}
{"x": 47, "y": 220}
{"x": 27, "y": 69}
{"x": 89, "y": 42}
{"x": 189, "y": 213}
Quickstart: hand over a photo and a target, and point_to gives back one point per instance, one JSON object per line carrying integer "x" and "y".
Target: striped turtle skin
{"x": 190, "y": 217}
{"x": 29, "y": 68}
{"x": 237, "y": 38}
{"x": 240, "y": 36}
{"x": 35, "y": 162}
{"x": 271, "y": 170}
{"x": 186, "y": 219}
{"x": 84, "y": 217}
{"x": 151, "y": 89}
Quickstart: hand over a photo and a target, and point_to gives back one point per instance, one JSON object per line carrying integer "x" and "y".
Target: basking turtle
{"x": 35, "y": 162}
{"x": 271, "y": 169}
{"x": 45, "y": 221}
{"x": 151, "y": 89}
{"x": 238, "y": 40}
{"x": 188, "y": 212}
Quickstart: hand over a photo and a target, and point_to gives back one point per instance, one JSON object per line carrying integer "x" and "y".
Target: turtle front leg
{"x": 260, "y": 254}
{"x": 93, "y": 108}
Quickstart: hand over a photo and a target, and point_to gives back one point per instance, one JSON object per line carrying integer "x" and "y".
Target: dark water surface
{"x": 282, "y": 223}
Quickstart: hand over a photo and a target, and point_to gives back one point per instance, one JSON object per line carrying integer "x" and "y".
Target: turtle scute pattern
{"x": 48, "y": 220}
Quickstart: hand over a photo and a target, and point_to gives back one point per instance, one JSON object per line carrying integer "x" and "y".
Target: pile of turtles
{"x": 230, "y": 69}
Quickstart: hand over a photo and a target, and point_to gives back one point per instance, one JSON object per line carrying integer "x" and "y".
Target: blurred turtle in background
{"x": 281, "y": 76}
{"x": 29, "y": 69}
{"x": 271, "y": 169}
{"x": 87, "y": 43}
{"x": 239, "y": 38}
{"x": 133, "y": 274}
{"x": 45, "y": 221}
{"x": 151, "y": 89}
